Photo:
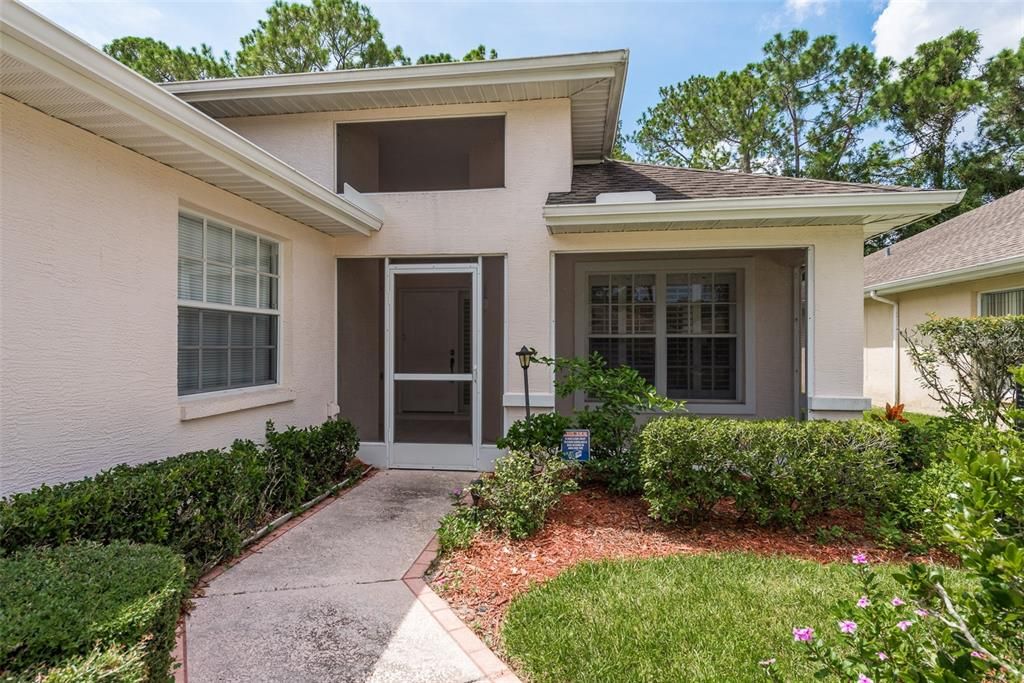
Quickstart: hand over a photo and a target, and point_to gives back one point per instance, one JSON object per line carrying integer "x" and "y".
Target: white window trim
{"x": 981, "y": 294}
{"x": 208, "y": 403}
{"x": 746, "y": 374}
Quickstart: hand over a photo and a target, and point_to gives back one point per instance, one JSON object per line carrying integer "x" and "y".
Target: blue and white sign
{"x": 576, "y": 444}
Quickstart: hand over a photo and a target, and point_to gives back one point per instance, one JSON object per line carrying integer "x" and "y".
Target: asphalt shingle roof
{"x": 993, "y": 232}
{"x": 668, "y": 182}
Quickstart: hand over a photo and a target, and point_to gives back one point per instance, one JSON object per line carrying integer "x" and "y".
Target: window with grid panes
{"x": 678, "y": 329}
{"x": 228, "y": 315}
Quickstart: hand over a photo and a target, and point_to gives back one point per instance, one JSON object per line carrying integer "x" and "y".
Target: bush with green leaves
{"x": 85, "y": 611}
{"x": 516, "y": 498}
{"x": 203, "y": 504}
{"x": 457, "y": 529}
{"x": 540, "y": 432}
{"x": 963, "y": 363}
{"x": 930, "y": 498}
{"x": 777, "y": 471}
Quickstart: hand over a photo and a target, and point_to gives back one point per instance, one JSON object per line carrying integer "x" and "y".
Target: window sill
{"x": 208, "y": 405}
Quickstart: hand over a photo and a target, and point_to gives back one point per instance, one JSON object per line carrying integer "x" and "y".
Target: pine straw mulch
{"x": 591, "y": 524}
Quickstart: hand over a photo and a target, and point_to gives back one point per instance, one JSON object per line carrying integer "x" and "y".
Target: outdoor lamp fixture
{"x": 525, "y": 357}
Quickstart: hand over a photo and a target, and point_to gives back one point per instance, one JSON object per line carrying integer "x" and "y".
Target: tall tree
{"x": 619, "y": 151}
{"x": 325, "y": 35}
{"x": 161, "y": 63}
{"x": 925, "y": 106}
{"x": 477, "y": 54}
{"x": 726, "y": 121}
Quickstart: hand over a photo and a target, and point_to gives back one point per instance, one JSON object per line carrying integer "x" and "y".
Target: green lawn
{"x": 682, "y": 618}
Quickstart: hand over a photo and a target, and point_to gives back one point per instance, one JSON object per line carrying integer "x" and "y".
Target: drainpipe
{"x": 895, "y": 342}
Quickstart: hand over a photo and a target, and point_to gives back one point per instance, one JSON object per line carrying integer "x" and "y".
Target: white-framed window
{"x": 1004, "y": 302}
{"x": 228, "y": 312}
{"x": 680, "y": 324}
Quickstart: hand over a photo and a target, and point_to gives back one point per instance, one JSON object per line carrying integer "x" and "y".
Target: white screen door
{"x": 432, "y": 357}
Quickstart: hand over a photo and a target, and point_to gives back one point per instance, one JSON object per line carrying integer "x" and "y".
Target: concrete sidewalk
{"x": 326, "y": 602}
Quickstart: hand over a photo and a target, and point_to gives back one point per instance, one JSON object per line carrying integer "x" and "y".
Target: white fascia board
{"x": 33, "y": 39}
{"x": 592, "y": 65}
{"x": 1007, "y": 266}
{"x": 611, "y": 122}
{"x": 752, "y": 208}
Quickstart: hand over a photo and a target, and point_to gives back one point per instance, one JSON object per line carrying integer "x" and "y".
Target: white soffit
{"x": 46, "y": 68}
{"x": 876, "y": 212}
{"x": 593, "y": 81}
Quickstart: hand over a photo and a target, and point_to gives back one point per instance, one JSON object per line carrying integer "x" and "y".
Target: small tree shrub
{"x": 85, "y": 611}
{"x": 963, "y": 363}
{"x": 203, "y": 504}
{"x": 777, "y": 471}
{"x": 930, "y": 498}
{"x": 541, "y": 432}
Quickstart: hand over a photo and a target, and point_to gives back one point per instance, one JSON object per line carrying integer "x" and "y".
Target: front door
{"x": 431, "y": 399}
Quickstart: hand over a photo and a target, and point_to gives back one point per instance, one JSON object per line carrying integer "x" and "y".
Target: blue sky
{"x": 668, "y": 41}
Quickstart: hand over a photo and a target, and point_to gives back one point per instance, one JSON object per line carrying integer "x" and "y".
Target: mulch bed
{"x": 591, "y": 524}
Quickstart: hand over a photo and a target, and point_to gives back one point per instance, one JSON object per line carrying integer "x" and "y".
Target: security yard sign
{"x": 576, "y": 444}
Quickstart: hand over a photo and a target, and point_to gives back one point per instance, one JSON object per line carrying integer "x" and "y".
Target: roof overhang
{"x": 593, "y": 81}
{"x": 51, "y": 70}
{"x": 1007, "y": 266}
{"x": 876, "y": 212}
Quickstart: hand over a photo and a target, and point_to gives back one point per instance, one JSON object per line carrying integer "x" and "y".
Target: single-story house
{"x": 182, "y": 262}
{"x": 968, "y": 266}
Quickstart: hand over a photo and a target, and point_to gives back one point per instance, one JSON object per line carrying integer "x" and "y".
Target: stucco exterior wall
{"x": 509, "y": 221}
{"x": 916, "y": 306}
{"x": 88, "y": 308}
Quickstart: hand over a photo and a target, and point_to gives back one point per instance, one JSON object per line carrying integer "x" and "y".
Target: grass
{"x": 680, "y": 618}
{"x": 919, "y": 419}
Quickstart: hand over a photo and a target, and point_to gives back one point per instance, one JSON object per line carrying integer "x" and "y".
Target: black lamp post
{"x": 525, "y": 356}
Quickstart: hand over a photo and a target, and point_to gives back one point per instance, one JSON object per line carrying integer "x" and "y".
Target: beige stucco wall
{"x": 916, "y": 306}
{"x": 509, "y": 221}
{"x": 88, "y": 312}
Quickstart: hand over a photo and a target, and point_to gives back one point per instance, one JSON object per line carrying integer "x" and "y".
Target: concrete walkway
{"x": 326, "y": 602}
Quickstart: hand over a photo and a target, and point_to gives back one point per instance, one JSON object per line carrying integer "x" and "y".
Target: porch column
{"x": 835, "y": 340}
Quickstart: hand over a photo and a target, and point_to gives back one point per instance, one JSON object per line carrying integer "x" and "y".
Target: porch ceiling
{"x": 46, "y": 68}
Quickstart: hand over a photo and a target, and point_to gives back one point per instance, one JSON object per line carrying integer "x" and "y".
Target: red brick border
{"x": 489, "y": 663}
{"x": 180, "y": 653}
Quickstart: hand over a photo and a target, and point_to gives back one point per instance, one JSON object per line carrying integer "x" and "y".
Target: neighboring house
{"x": 182, "y": 263}
{"x": 968, "y": 266}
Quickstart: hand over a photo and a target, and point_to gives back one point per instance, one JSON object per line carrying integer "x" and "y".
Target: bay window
{"x": 680, "y": 325}
{"x": 228, "y": 317}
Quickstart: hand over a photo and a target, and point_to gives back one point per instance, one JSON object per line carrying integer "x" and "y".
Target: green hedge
{"x": 777, "y": 471}
{"x": 202, "y": 504}
{"x": 86, "y": 611}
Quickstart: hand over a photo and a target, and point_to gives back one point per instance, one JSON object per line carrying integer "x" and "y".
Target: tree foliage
{"x": 161, "y": 63}
{"x": 479, "y": 53}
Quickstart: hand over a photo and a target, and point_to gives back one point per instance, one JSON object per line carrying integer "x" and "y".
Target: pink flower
{"x": 882, "y": 656}
{"x": 860, "y": 558}
{"x": 803, "y": 634}
{"x": 847, "y": 626}
{"x": 861, "y": 678}
{"x": 921, "y": 612}
{"x": 896, "y": 602}
{"x": 978, "y": 655}
{"x": 863, "y": 602}
{"x": 903, "y": 625}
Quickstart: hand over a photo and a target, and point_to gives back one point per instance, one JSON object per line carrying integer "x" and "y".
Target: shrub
{"x": 515, "y": 499}
{"x": 540, "y": 432}
{"x": 778, "y": 471}
{"x": 83, "y": 609}
{"x": 457, "y": 529}
{"x": 963, "y": 363}
{"x": 930, "y": 499}
{"x": 202, "y": 504}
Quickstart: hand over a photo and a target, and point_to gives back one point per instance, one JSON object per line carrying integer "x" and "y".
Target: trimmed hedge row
{"x": 86, "y": 611}
{"x": 776, "y": 471}
{"x": 202, "y": 504}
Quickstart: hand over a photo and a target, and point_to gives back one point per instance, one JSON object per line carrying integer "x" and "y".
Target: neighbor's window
{"x": 422, "y": 155}
{"x": 1006, "y": 302}
{"x": 228, "y": 315}
{"x": 679, "y": 329}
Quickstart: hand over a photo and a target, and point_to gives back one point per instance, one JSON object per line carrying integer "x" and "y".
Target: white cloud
{"x": 100, "y": 23}
{"x": 801, "y": 9}
{"x": 904, "y": 24}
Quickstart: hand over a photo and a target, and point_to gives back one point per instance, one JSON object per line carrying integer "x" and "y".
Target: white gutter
{"x": 34, "y": 40}
{"x": 1010, "y": 265}
{"x": 752, "y": 208}
{"x": 895, "y": 343}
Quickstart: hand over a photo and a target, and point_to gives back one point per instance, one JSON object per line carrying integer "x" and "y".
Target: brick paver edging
{"x": 179, "y": 655}
{"x": 489, "y": 663}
